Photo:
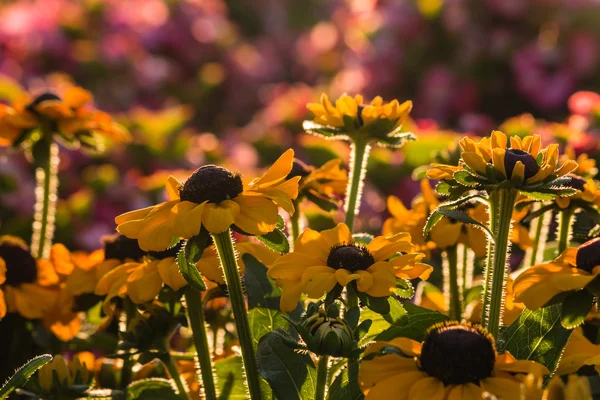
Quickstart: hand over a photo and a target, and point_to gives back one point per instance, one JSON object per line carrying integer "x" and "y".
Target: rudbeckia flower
{"x": 214, "y": 198}
{"x": 25, "y": 284}
{"x": 320, "y": 185}
{"x": 90, "y": 268}
{"x": 322, "y": 260}
{"x": 586, "y": 166}
{"x": 586, "y": 195}
{"x": 521, "y": 163}
{"x": 407, "y": 220}
{"x": 520, "y": 234}
{"x": 65, "y": 110}
{"x": 576, "y": 388}
{"x": 572, "y": 271}
{"x": 351, "y": 119}
{"x": 62, "y": 377}
{"x": 454, "y": 361}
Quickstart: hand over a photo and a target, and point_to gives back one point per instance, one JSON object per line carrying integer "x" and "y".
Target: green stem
{"x": 46, "y": 158}
{"x": 454, "y": 296}
{"x": 503, "y": 203}
{"x": 128, "y": 363}
{"x": 564, "y": 229}
{"x": 295, "y": 223}
{"x": 176, "y": 376}
{"x": 539, "y": 228}
{"x": 321, "y": 377}
{"x": 358, "y": 169}
{"x": 487, "y": 275}
{"x": 466, "y": 269}
{"x": 227, "y": 255}
{"x": 195, "y": 314}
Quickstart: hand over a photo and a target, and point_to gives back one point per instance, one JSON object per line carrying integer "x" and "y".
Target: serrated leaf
{"x": 536, "y": 335}
{"x": 290, "y": 375}
{"x": 575, "y": 308}
{"x": 378, "y": 304}
{"x": 436, "y": 216}
{"x": 22, "y": 375}
{"x": 152, "y": 389}
{"x": 344, "y": 388}
{"x": 324, "y": 131}
{"x": 539, "y": 212}
{"x": 414, "y": 324}
{"x": 280, "y": 222}
{"x": 465, "y": 178}
{"x": 261, "y": 289}
{"x": 276, "y": 241}
{"x": 404, "y": 288}
{"x": 189, "y": 255}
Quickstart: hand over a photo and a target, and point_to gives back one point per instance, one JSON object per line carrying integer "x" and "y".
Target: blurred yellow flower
{"x": 58, "y": 376}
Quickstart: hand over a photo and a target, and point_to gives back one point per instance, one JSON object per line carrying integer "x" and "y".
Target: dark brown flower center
{"x": 298, "y": 169}
{"x": 213, "y": 184}
{"x": 121, "y": 248}
{"x": 588, "y": 255}
{"x": 458, "y": 354}
{"x": 350, "y": 257}
{"x": 21, "y": 267}
{"x": 512, "y": 156}
{"x": 32, "y": 107}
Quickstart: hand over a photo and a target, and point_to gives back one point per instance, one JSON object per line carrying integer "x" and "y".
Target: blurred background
{"x": 227, "y": 81}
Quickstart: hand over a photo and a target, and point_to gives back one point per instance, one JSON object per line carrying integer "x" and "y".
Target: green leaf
{"x": 404, "y": 288}
{"x": 22, "y": 375}
{"x": 575, "y": 308}
{"x": 230, "y": 378}
{"x": 536, "y": 335}
{"x": 414, "y": 324}
{"x": 152, "y": 389}
{"x": 261, "y": 289}
{"x": 466, "y": 219}
{"x": 323, "y": 131}
{"x": 437, "y": 215}
{"x": 280, "y": 222}
{"x": 378, "y": 304}
{"x": 290, "y": 374}
{"x": 276, "y": 241}
{"x": 539, "y": 212}
{"x": 344, "y": 388}
{"x": 432, "y": 221}
{"x": 443, "y": 188}
{"x": 189, "y": 255}
{"x": 265, "y": 320}
{"x": 465, "y": 178}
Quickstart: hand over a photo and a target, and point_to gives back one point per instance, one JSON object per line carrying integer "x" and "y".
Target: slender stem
{"x": 45, "y": 194}
{"x": 295, "y": 224}
{"x": 227, "y": 255}
{"x": 453, "y": 292}
{"x": 358, "y": 169}
{"x": 487, "y": 278}
{"x": 539, "y": 229}
{"x": 196, "y": 322}
{"x": 494, "y": 302}
{"x": 564, "y": 229}
{"x": 128, "y": 363}
{"x": 322, "y": 366}
{"x": 176, "y": 376}
{"x": 466, "y": 267}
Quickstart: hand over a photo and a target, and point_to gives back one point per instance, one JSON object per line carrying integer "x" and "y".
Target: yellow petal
{"x": 475, "y": 161}
{"x": 318, "y": 280}
{"x": 278, "y": 171}
{"x": 427, "y": 388}
{"x": 383, "y": 248}
{"x": 144, "y": 283}
{"x": 173, "y": 186}
{"x": 498, "y": 160}
{"x": 217, "y": 218}
{"x": 290, "y": 295}
{"x": 257, "y": 216}
{"x": 187, "y": 219}
{"x": 169, "y": 273}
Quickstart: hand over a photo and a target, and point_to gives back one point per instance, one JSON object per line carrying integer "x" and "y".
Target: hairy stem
{"x": 452, "y": 290}
{"x": 227, "y": 255}
{"x": 322, "y": 366}
{"x": 295, "y": 224}
{"x": 176, "y": 376}
{"x": 494, "y": 286}
{"x": 46, "y": 195}
{"x": 565, "y": 227}
{"x": 358, "y": 170}
{"x": 539, "y": 229}
{"x": 195, "y": 315}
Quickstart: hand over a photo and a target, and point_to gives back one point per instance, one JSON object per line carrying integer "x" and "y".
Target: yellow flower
{"x": 445, "y": 233}
{"x": 353, "y": 107}
{"x": 573, "y": 270}
{"x": 586, "y": 167}
{"x": 577, "y": 388}
{"x": 521, "y": 125}
{"x": 520, "y": 234}
{"x": 214, "y": 198}
{"x": 455, "y": 361}
{"x": 66, "y": 109}
{"x": 25, "y": 284}
{"x": 578, "y": 352}
{"x": 90, "y": 268}
{"x": 322, "y": 260}
{"x": 58, "y": 376}
{"x": 320, "y": 185}
{"x": 349, "y": 118}
{"x": 492, "y": 160}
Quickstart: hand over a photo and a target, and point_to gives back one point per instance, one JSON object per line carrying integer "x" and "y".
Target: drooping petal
{"x": 217, "y": 218}
{"x": 257, "y": 216}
